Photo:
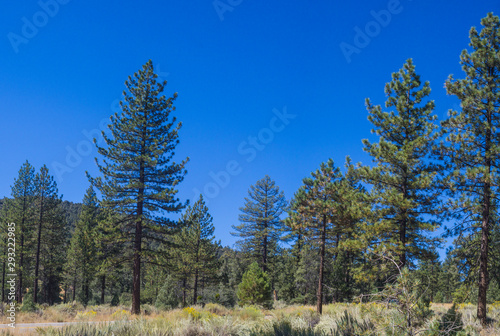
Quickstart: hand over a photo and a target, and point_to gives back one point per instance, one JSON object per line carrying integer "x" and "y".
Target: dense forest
{"x": 351, "y": 233}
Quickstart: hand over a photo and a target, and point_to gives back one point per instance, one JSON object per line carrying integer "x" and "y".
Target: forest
{"x": 353, "y": 233}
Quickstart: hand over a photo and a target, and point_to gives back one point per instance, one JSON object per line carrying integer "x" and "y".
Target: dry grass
{"x": 214, "y": 319}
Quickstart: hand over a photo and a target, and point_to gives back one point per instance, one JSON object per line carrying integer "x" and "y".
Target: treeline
{"x": 343, "y": 236}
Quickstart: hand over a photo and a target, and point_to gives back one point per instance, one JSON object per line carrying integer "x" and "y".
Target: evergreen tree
{"x": 261, "y": 227}
{"x": 140, "y": 177}
{"x": 255, "y": 287}
{"x": 403, "y": 178}
{"x": 20, "y": 209}
{"x": 83, "y": 249}
{"x": 327, "y": 207}
{"x": 472, "y": 145}
{"x": 51, "y": 237}
{"x": 198, "y": 252}
{"x": 230, "y": 274}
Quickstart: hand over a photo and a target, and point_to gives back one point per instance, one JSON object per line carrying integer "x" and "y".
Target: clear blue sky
{"x": 63, "y": 69}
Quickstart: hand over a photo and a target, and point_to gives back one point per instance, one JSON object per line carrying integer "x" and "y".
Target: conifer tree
{"x": 139, "y": 175}
{"x": 50, "y": 235}
{"x": 403, "y": 178}
{"x": 198, "y": 252}
{"x": 261, "y": 227}
{"x": 472, "y": 145}
{"x": 20, "y": 209}
{"x": 326, "y": 207}
{"x": 83, "y": 249}
{"x": 255, "y": 287}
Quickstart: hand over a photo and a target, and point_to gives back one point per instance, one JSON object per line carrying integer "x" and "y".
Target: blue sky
{"x": 277, "y": 72}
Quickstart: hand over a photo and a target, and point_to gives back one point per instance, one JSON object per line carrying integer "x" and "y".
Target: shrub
{"x": 255, "y": 287}
{"x": 451, "y": 322}
{"x": 28, "y": 304}
{"x": 216, "y": 309}
{"x": 115, "y": 301}
{"x": 348, "y": 325}
{"x": 126, "y": 299}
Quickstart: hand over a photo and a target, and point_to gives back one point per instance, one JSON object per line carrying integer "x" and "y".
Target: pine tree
{"x": 201, "y": 244}
{"x": 327, "y": 207}
{"x": 197, "y": 255}
{"x": 472, "y": 145}
{"x": 403, "y": 178}
{"x": 50, "y": 236}
{"x": 255, "y": 287}
{"x": 83, "y": 249}
{"x": 20, "y": 209}
{"x": 261, "y": 227}
{"x": 140, "y": 177}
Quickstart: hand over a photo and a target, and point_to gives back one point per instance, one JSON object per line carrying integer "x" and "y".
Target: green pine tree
{"x": 255, "y": 287}
{"x": 140, "y": 177}
{"x": 83, "y": 249}
{"x": 327, "y": 208}
{"x": 472, "y": 145}
{"x": 51, "y": 238}
{"x": 403, "y": 178}
{"x": 197, "y": 257}
{"x": 21, "y": 212}
{"x": 261, "y": 226}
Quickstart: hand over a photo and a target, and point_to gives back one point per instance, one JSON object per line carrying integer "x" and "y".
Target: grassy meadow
{"x": 214, "y": 319}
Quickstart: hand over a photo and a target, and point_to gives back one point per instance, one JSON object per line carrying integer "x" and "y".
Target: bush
{"x": 126, "y": 299}
{"x": 216, "y": 309}
{"x": 28, "y": 304}
{"x": 451, "y": 322}
{"x": 115, "y": 301}
{"x": 255, "y": 288}
{"x": 348, "y": 325}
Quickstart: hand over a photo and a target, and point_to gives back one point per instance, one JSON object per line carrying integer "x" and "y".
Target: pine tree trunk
{"x": 38, "y": 246}
{"x": 264, "y": 255}
{"x": 485, "y": 226}
{"x": 319, "y": 295}
{"x": 136, "y": 291}
{"x": 195, "y": 288}
{"x": 184, "y": 292}
{"x": 87, "y": 292}
{"x": 65, "y": 293}
{"x": 103, "y": 288}
{"x": 402, "y": 230}
{"x": 74, "y": 286}
{"x": 21, "y": 254}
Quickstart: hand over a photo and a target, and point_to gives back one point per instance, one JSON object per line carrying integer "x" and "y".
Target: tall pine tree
{"x": 21, "y": 211}
{"x": 472, "y": 146}
{"x": 403, "y": 177}
{"x": 198, "y": 253}
{"x": 261, "y": 227}
{"x": 326, "y": 208}
{"x": 139, "y": 175}
{"x": 51, "y": 238}
{"x": 84, "y": 244}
